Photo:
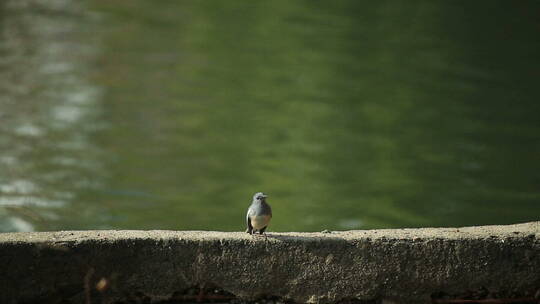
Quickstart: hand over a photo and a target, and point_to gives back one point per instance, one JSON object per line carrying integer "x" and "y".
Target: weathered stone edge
{"x": 473, "y": 232}
{"x": 405, "y": 264}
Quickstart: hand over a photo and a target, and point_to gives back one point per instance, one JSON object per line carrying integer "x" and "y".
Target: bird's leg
{"x": 262, "y": 233}
{"x": 255, "y": 233}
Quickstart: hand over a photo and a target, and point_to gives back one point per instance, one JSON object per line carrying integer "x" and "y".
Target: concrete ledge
{"x": 401, "y": 265}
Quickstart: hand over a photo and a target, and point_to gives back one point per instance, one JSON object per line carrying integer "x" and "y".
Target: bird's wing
{"x": 248, "y": 220}
{"x": 250, "y": 227}
{"x": 268, "y": 209}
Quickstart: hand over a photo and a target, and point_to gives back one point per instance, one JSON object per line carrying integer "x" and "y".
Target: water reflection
{"x": 349, "y": 114}
{"x": 48, "y": 110}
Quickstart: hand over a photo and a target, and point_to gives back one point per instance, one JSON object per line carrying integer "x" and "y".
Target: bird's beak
{"x": 264, "y": 195}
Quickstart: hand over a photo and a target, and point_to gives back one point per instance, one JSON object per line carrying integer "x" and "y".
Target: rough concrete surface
{"x": 389, "y": 266}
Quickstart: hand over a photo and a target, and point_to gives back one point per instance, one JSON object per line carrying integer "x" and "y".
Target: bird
{"x": 259, "y": 214}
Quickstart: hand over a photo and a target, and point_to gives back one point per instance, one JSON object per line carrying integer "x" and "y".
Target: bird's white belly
{"x": 261, "y": 221}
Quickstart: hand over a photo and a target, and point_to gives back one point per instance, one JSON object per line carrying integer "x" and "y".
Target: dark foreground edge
{"x": 429, "y": 265}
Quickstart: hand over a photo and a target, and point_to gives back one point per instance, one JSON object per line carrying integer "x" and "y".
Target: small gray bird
{"x": 259, "y": 214}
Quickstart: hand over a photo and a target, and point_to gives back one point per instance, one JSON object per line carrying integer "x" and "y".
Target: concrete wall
{"x": 390, "y": 266}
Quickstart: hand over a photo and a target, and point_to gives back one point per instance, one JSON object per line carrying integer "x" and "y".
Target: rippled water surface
{"x": 349, "y": 114}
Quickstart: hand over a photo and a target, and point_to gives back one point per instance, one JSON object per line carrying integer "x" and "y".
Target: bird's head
{"x": 259, "y": 196}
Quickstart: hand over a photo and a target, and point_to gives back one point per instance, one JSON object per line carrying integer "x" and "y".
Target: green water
{"x": 349, "y": 114}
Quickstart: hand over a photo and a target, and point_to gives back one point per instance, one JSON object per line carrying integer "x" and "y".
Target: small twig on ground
{"x": 87, "y": 289}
